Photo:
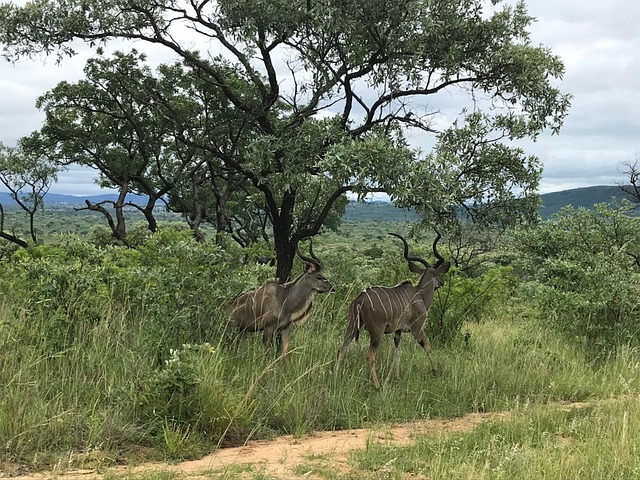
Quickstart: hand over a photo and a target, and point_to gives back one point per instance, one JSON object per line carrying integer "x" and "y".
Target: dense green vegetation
{"x": 59, "y": 217}
{"x": 117, "y": 353}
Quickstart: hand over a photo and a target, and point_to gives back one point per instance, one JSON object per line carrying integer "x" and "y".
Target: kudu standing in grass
{"x": 274, "y": 307}
{"x": 403, "y": 308}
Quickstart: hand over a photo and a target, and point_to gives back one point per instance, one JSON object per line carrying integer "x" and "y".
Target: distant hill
{"x": 552, "y": 203}
{"x": 58, "y": 200}
{"x": 585, "y": 197}
{"x": 379, "y": 211}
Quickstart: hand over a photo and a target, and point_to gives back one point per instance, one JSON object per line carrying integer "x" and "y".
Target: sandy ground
{"x": 279, "y": 457}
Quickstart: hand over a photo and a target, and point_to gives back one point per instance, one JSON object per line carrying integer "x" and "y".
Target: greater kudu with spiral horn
{"x": 274, "y": 307}
{"x": 403, "y": 308}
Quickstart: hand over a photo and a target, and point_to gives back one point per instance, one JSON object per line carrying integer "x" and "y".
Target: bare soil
{"x": 285, "y": 457}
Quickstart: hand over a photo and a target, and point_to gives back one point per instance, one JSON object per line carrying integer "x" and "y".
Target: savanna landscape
{"x": 117, "y": 356}
{"x": 505, "y": 339}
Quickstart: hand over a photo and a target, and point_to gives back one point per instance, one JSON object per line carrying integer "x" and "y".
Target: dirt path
{"x": 279, "y": 458}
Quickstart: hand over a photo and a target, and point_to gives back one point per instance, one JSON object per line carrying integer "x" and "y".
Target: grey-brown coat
{"x": 403, "y": 308}
{"x": 273, "y": 308}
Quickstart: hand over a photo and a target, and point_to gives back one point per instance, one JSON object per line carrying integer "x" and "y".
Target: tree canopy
{"x": 27, "y": 175}
{"x": 307, "y": 101}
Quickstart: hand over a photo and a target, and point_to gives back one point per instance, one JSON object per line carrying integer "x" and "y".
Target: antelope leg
{"x": 396, "y": 358}
{"x": 372, "y": 363}
{"x": 284, "y": 335}
{"x": 267, "y": 338}
{"x": 424, "y": 343}
{"x": 238, "y": 341}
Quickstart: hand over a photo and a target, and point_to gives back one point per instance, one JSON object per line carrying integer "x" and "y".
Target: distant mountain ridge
{"x": 585, "y": 197}
{"x": 59, "y": 199}
{"x": 379, "y": 210}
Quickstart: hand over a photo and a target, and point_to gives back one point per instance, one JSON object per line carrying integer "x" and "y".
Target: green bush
{"x": 466, "y": 299}
{"x": 585, "y": 274}
{"x": 105, "y": 327}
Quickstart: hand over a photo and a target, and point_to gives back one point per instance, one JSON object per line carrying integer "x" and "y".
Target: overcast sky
{"x": 598, "y": 41}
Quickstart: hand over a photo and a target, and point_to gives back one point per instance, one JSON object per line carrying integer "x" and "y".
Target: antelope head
{"x": 313, "y": 271}
{"x": 441, "y": 267}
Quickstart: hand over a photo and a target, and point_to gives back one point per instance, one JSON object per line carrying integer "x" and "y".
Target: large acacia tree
{"x": 108, "y": 121}
{"x": 330, "y": 89}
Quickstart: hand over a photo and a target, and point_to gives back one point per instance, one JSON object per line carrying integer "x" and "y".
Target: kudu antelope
{"x": 403, "y": 308}
{"x": 273, "y": 307}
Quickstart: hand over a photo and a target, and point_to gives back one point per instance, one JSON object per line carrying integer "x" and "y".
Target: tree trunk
{"x": 222, "y": 225}
{"x": 285, "y": 242}
{"x": 198, "y": 212}
{"x": 32, "y": 226}
{"x": 147, "y": 211}
{"x": 285, "y": 253}
{"x": 152, "y": 224}
{"x": 120, "y": 231}
{"x": 99, "y": 208}
{"x": 194, "y": 220}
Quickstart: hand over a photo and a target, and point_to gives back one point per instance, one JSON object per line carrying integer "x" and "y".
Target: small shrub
{"x": 465, "y": 299}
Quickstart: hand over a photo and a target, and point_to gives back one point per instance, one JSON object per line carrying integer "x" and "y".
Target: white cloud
{"x": 599, "y": 43}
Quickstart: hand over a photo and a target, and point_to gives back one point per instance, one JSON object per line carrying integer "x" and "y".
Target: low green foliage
{"x": 106, "y": 350}
{"x": 469, "y": 299}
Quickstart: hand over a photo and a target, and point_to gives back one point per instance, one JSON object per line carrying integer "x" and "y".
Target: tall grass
{"x": 602, "y": 441}
{"x": 84, "y": 398}
{"x": 112, "y": 355}
{"x": 105, "y": 396}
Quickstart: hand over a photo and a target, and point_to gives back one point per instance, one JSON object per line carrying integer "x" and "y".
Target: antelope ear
{"x": 309, "y": 267}
{"x": 444, "y": 268}
{"x": 415, "y": 268}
